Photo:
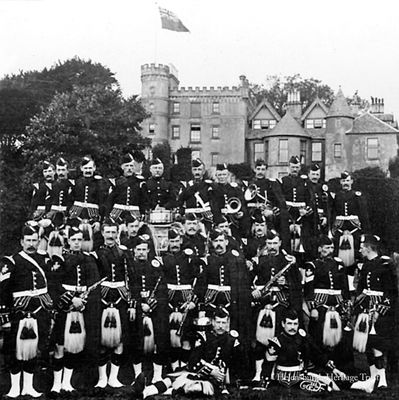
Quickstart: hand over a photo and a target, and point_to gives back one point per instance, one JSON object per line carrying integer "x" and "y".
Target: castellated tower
{"x": 157, "y": 80}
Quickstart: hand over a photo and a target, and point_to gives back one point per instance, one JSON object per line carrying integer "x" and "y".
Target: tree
{"x": 394, "y": 167}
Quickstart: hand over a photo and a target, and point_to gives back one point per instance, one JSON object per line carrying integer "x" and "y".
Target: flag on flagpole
{"x": 171, "y": 21}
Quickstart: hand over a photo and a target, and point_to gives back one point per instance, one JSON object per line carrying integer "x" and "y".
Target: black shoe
{"x": 139, "y": 384}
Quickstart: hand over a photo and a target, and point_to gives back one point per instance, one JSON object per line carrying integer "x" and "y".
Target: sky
{"x": 347, "y": 43}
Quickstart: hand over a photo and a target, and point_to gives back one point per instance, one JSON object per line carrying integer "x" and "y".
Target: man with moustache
{"x": 270, "y": 201}
{"x": 25, "y": 306}
{"x": 129, "y": 194}
{"x": 288, "y": 357}
{"x": 150, "y": 338}
{"x": 268, "y": 308}
{"x": 197, "y": 196}
{"x": 193, "y": 237}
{"x": 182, "y": 271}
{"x": 40, "y": 203}
{"x": 256, "y": 243}
{"x": 349, "y": 218}
{"x": 223, "y": 224}
{"x": 77, "y": 322}
{"x": 114, "y": 263}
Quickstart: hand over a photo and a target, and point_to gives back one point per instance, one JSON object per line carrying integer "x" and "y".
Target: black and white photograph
{"x": 199, "y": 199}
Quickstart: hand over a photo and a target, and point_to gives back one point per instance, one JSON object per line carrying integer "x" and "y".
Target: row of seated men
{"x": 270, "y": 314}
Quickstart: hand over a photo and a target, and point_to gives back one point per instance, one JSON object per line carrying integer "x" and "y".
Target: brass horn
{"x": 251, "y": 192}
{"x": 233, "y": 205}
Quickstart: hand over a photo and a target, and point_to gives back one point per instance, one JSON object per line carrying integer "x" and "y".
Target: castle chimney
{"x": 243, "y": 81}
{"x": 294, "y": 106}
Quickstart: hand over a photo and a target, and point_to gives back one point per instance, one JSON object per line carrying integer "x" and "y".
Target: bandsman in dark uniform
{"x": 114, "y": 263}
{"x": 256, "y": 243}
{"x": 265, "y": 195}
{"x": 150, "y": 341}
{"x": 327, "y": 297}
{"x": 128, "y": 196}
{"x": 223, "y": 224}
{"x": 40, "y": 203}
{"x": 25, "y": 306}
{"x": 77, "y": 322}
{"x": 301, "y": 208}
{"x": 373, "y": 307}
{"x": 197, "y": 195}
{"x": 269, "y": 304}
{"x": 193, "y": 237}
{"x": 209, "y": 363}
{"x": 349, "y": 220}
{"x": 182, "y": 270}
{"x": 289, "y": 355}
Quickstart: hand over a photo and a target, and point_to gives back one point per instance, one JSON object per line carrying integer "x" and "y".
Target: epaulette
{"x": 72, "y": 181}
{"x": 234, "y": 184}
{"x": 98, "y": 177}
{"x": 86, "y": 253}
{"x": 358, "y": 193}
{"x": 274, "y": 340}
{"x": 155, "y": 263}
{"x": 209, "y": 181}
{"x": 159, "y": 258}
{"x": 9, "y": 258}
{"x": 310, "y": 263}
{"x": 190, "y": 183}
{"x": 184, "y": 183}
{"x": 141, "y": 177}
{"x": 386, "y": 260}
{"x": 112, "y": 181}
{"x": 304, "y": 177}
{"x": 324, "y": 187}
{"x": 123, "y": 247}
{"x": 41, "y": 252}
{"x": 36, "y": 186}
{"x": 332, "y": 194}
{"x": 188, "y": 252}
{"x": 234, "y": 333}
{"x": 235, "y": 253}
{"x": 94, "y": 254}
{"x": 302, "y": 332}
{"x": 337, "y": 259}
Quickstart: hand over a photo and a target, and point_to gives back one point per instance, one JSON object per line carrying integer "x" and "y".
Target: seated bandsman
{"x": 223, "y": 224}
{"x": 289, "y": 355}
{"x": 208, "y": 369}
{"x": 182, "y": 269}
{"x": 327, "y": 297}
{"x": 150, "y": 339}
{"x": 128, "y": 196}
{"x": 256, "y": 242}
{"x": 77, "y": 321}
{"x": 193, "y": 237}
{"x": 372, "y": 306}
{"x": 41, "y": 195}
{"x": 276, "y": 285}
{"x": 25, "y": 306}
{"x": 197, "y": 195}
{"x": 114, "y": 264}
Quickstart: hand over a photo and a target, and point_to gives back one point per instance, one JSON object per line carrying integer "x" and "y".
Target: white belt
{"x": 296, "y": 204}
{"x": 331, "y": 292}
{"x": 113, "y": 285}
{"x": 197, "y": 210}
{"x": 85, "y": 205}
{"x": 369, "y": 292}
{"x": 126, "y": 207}
{"x": 346, "y": 217}
{"x": 58, "y": 208}
{"x": 172, "y": 286}
{"x": 30, "y": 293}
{"x": 219, "y": 288}
{"x": 272, "y": 289}
{"x": 290, "y": 369}
{"x": 256, "y": 205}
{"x": 320, "y": 211}
{"x": 41, "y": 208}
{"x": 72, "y": 288}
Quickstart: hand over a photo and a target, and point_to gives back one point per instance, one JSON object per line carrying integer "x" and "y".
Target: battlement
{"x": 157, "y": 69}
{"x": 213, "y": 91}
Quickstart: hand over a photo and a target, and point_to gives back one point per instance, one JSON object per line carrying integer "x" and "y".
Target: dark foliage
{"x": 182, "y": 170}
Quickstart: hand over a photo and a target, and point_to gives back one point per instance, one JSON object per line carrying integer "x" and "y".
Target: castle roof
{"x": 368, "y": 123}
{"x": 289, "y": 126}
{"x": 266, "y": 104}
{"x": 340, "y": 107}
{"x": 316, "y": 102}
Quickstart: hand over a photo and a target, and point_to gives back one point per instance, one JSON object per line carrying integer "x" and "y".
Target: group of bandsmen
{"x": 282, "y": 280}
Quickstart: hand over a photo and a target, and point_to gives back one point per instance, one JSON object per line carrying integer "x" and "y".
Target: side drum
{"x": 160, "y": 217}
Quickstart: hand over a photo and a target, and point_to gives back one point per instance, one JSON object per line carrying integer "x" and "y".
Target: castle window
{"x": 372, "y": 148}
{"x": 195, "y": 110}
{"x": 309, "y": 123}
{"x": 215, "y": 107}
{"x": 272, "y": 123}
{"x": 259, "y": 151}
{"x": 256, "y": 124}
{"x": 283, "y": 151}
{"x": 319, "y": 123}
{"x": 195, "y": 154}
{"x": 176, "y": 108}
{"x": 302, "y": 151}
{"x": 176, "y": 132}
{"x": 317, "y": 155}
{"x": 151, "y": 129}
{"x": 214, "y": 159}
{"x": 195, "y": 133}
{"x": 337, "y": 150}
{"x": 215, "y": 132}
{"x": 263, "y": 124}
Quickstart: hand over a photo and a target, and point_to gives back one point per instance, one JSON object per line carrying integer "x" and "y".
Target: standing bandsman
{"x": 182, "y": 269}
{"x": 192, "y": 236}
{"x": 327, "y": 297}
{"x": 270, "y": 305}
{"x": 373, "y": 329}
{"x": 41, "y": 195}
{"x": 300, "y": 205}
{"x": 149, "y": 291}
{"x": 114, "y": 263}
{"x": 128, "y": 196}
{"x": 349, "y": 220}
{"x": 265, "y": 195}
{"x": 161, "y": 193}
{"x": 25, "y": 304}
{"x": 197, "y": 195}
{"x": 256, "y": 243}
{"x": 77, "y": 322}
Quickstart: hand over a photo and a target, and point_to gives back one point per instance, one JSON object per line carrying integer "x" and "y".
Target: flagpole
{"x": 156, "y": 36}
